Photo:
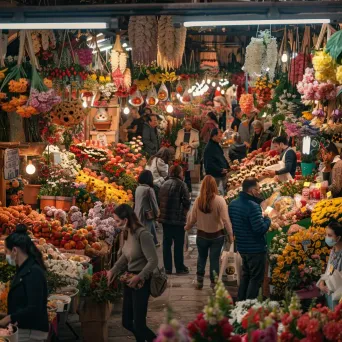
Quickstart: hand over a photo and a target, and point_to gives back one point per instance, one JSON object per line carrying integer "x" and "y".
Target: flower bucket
{"x": 14, "y": 336}
{"x": 307, "y": 168}
{"x": 47, "y": 201}
{"x": 31, "y": 194}
{"x": 94, "y": 320}
{"x": 63, "y": 203}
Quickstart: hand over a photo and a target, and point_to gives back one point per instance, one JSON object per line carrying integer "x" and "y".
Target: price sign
{"x": 11, "y": 163}
{"x": 307, "y": 184}
{"x": 329, "y": 194}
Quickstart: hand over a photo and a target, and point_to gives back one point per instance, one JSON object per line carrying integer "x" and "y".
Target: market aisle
{"x": 185, "y": 301}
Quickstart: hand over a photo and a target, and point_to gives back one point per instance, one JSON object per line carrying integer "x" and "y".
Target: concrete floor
{"x": 185, "y": 301}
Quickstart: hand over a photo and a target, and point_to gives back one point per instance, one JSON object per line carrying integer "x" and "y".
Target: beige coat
{"x": 193, "y": 142}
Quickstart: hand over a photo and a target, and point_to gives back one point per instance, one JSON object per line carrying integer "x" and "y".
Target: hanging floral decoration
{"x": 297, "y": 68}
{"x": 324, "y": 67}
{"x": 246, "y": 103}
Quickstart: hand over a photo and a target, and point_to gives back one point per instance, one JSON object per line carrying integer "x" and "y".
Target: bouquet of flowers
{"x": 326, "y": 211}
{"x": 97, "y": 288}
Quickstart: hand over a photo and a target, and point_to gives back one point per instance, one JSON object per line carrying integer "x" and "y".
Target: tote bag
{"x": 231, "y": 265}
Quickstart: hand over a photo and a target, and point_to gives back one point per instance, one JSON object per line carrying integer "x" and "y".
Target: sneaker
{"x": 168, "y": 272}
{"x": 184, "y": 271}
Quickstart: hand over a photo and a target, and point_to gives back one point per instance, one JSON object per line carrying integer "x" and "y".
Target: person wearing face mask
{"x": 250, "y": 228}
{"x": 27, "y": 298}
{"x": 139, "y": 256}
{"x": 330, "y": 282}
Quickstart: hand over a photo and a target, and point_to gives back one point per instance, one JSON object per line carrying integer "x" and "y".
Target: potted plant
{"x": 95, "y": 308}
{"x": 308, "y": 164}
{"x": 65, "y": 189}
{"x": 47, "y": 196}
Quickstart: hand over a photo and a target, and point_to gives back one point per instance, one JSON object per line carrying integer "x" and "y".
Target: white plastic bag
{"x": 231, "y": 265}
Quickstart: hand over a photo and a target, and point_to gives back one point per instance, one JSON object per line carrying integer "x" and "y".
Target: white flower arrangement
{"x": 107, "y": 90}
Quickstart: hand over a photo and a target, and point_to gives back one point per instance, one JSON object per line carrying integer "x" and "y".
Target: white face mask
{"x": 10, "y": 260}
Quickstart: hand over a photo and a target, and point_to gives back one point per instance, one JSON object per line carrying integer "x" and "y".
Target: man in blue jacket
{"x": 215, "y": 163}
{"x": 250, "y": 227}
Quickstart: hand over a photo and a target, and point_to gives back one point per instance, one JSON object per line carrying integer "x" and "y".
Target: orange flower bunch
{"x": 3, "y": 96}
{"x": 8, "y": 107}
{"x": 18, "y": 101}
{"x": 4, "y": 289}
{"x": 246, "y": 103}
{"x": 18, "y": 86}
{"x": 48, "y": 83}
{"x": 26, "y": 111}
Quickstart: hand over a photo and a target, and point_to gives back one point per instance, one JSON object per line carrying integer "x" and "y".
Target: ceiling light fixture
{"x": 53, "y": 26}
{"x": 255, "y": 22}
{"x": 108, "y": 47}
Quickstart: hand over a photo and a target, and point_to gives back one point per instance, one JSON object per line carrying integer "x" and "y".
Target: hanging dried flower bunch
{"x": 121, "y": 75}
{"x": 142, "y": 34}
{"x": 171, "y": 44}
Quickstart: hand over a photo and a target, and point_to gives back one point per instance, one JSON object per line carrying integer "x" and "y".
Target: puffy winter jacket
{"x": 174, "y": 201}
{"x": 249, "y": 226}
{"x": 237, "y": 152}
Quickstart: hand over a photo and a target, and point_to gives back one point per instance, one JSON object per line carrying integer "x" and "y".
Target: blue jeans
{"x": 214, "y": 248}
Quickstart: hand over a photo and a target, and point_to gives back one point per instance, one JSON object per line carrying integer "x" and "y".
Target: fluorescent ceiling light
{"x": 255, "y": 22}
{"x": 106, "y": 48}
{"x": 52, "y": 26}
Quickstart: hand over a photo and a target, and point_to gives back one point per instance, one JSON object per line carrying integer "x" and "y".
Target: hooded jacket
{"x": 237, "y": 152}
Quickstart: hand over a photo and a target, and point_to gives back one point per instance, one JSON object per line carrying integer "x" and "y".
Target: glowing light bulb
{"x": 30, "y": 168}
{"x": 126, "y": 110}
{"x": 218, "y": 88}
{"x": 222, "y": 92}
{"x": 214, "y": 84}
{"x": 178, "y": 96}
{"x": 208, "y": 81}
{"x": 84, "y": 104}
{"x": 202, "y": 82}
{"x": 284, "y": 58}
{"x": 169, "y": 108}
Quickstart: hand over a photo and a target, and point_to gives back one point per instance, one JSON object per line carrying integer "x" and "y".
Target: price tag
{"x": 306, "y": 244}
{"x": 318, "y": 185}
{"x": 329, "y": 194}
{"x": 307, "y": 184}
{"x": 11, "y": 163}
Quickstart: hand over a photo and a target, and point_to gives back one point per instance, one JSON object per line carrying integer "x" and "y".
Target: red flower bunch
{"x": 99, "y": 289}
{"x": 181, "y": 163}
{"x": 69, "y": 73}
{"x": 201, "y": 330}
{"x": 114, "y": 169}
{"x": 253, "y": 317}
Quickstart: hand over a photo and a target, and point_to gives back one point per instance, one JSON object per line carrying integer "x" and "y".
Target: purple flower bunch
{"x": 85, "y": 56}
{"x": 292, "y": 129}
{"x": 318, "y": 113}
{"x": 336, "y": 114}
{"x": 44, "y": 101}
{"x": 173, "y": 331}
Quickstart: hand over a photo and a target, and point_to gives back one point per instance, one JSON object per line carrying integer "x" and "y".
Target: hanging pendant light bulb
{"x": 214, "y": 84}
{"x": 208, "y": 81}
{"x": 284, "y": 57}
{"x": 169, "y": 108}
{"x": 126, "y": 110}
{"x": 218, "y": 88}
{"x": 30, "y": 168}
{"x": 222, "y": 92}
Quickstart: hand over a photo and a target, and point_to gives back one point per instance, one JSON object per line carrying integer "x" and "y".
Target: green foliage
{"x": 128, "y": 182}
{"x": 7, "y": 272}
{"x": 54, "y": 281}
{"x": 334, "y": 45}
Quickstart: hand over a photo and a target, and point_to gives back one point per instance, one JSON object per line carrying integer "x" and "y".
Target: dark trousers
{"x": 134, "y": 312}
{"x": 212, "y": 247}
{"x": 253, "y": 272}
{"x": 187, "y": 180}
{"x": 175, "y": 235}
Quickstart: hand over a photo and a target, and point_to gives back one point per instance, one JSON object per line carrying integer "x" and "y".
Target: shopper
{"x": 215, "y": 163}
{"x": 238, "y": 150}
{"x": 187, "y": 143}
{"x": 145, "y": 205}
{"x": 159, "y": 166}
{"x": 250, "y": 228}
{"x": 27, "y": 298}
{"x": 333, "y": 170}
{"x": 136, "y": 127}
{"x": 246, "y": 128}
{"x": 259, "y": 136}
{"x": 174, "y": 201}
{"x": 287, "y": 156}
{"x": 237, "y": 119}
{"x": 139, "y": 256}
{"x": 209, "y": 125}
{"x": 210, "y": 214}
{"x": 150, "y": 137}
{"x": 330, "y": 282}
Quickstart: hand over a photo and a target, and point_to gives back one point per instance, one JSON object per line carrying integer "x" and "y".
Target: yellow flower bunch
{"x": 104, "y": 79}
{"x": 142, "y": 84}
{"x": 307, "y": 115}
{"x": 155, "y": 78}
{"x": 169, "y": 77}
{"x": 263, "y": 82}
{"x": 339, "y": 74}
{"x": 106, "y": 192}
{"x": 2, "y": 74}
{"x": 324, "y": 67}
{"x": 326, "y": 211}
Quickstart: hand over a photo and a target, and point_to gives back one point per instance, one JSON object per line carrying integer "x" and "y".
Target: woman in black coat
{"x": 27, "y": 298}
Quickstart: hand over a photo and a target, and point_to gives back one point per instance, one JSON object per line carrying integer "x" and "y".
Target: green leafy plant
{"x": 54, "y": 281}
{"x": 7, "y": 272}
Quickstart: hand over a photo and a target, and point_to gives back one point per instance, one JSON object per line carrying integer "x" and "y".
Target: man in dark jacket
{"x": 249, "y": 228}
{"x": 174, "y": 204}
{"x": 287, "y": 155}
{"x": 150, "y": 136}
{"x": 215, "y": 163}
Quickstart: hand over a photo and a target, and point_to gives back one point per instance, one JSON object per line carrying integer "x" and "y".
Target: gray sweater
{"x": 138, "y": 256}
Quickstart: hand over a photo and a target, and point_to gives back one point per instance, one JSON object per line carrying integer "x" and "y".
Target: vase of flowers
{"x": 96, "y": 299}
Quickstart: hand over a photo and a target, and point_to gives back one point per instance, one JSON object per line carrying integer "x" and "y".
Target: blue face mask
{"x": 10, "y": 260}
{"x": 330, "y": 241}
